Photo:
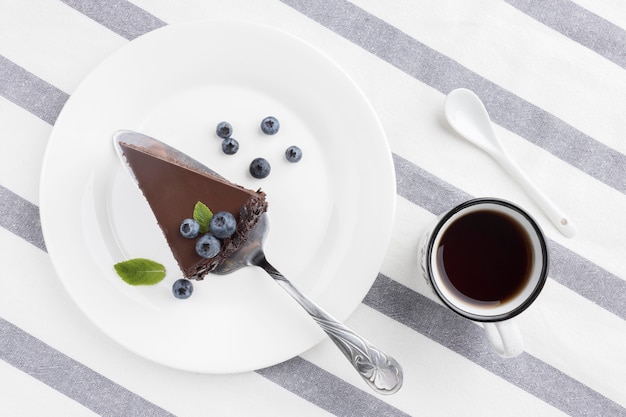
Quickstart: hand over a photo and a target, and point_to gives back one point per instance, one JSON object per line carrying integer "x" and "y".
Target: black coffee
{"x": 485, "y": 257}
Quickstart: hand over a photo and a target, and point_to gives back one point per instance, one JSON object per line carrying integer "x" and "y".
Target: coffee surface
{"x": 485, "y": 257}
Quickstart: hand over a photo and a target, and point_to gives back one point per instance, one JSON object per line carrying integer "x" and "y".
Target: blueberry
{"x": 270, "y": 125}
{"x": 230, "y": 146}
{"x": 182, "y": 288}
{"x": 260, "y": 168}
{"x": 223, "y": 225}
{"x": 293, "y": 154}
{"x": 189, "y": 228}
{"x": 224, "y": 130}
{"x": 208, "y": 246}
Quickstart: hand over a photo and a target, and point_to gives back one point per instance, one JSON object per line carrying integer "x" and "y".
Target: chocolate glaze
{"x": 172, "y": 191}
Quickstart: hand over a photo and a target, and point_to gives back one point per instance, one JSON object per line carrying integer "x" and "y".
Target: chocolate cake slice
{"x": 173, "y": 183}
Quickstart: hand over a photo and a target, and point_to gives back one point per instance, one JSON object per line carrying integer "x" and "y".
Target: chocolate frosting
{"x": 172, "y": 190}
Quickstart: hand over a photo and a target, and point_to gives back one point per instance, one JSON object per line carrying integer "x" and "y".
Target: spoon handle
{"x": 379, "y": 370}
{"x": 561, "y": 221}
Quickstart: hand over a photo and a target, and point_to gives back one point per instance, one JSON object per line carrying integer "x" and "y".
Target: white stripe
{"x": 22, "y": 150}
{"x": 273, "y": 13}
{"x": 567, "y": 331}
{"x": 22, "y": 395}
{"x": 611, "y": 10}
{"x": 433, "y": 375}
{"x": 588, "y": 87}
{"x": 53, "y": 41}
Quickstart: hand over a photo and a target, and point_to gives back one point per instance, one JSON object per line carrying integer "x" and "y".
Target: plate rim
{"x": 44, "y": 209}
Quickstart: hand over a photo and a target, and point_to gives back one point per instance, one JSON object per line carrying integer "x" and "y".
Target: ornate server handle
{"x": 381, "y": 372}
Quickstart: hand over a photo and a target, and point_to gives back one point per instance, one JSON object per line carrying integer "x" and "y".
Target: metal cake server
{"x": 379, "y": 370}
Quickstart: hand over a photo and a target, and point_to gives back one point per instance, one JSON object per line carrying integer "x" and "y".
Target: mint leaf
{"x": 203, "y": 215}
{"x": 140, "y": 271}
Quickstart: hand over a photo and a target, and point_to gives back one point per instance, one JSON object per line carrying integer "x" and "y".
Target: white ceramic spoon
{"x": 468, "y": 116}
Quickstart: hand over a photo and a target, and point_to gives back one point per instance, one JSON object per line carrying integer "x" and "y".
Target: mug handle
{"x": 505, "y": 338}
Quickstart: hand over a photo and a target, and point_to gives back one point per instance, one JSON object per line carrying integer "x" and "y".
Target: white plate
{"x": 331, "y": 213}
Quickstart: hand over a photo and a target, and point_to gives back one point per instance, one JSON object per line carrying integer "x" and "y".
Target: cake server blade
{"x": 156, "y": 148}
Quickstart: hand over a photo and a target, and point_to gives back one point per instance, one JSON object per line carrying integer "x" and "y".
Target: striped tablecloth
{"x": 552, "y": 75}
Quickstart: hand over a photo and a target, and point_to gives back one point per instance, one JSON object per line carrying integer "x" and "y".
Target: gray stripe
{"x": 69, "y": 377}
{"x": 588, "y": 279}
{"x": 30, "y": 92}
{"x": 122, "y": 17}
{"x": 444, "y": 74}
{"x": 461, "y": 336}
{"x": 21, "y": 217}
{"x": 424, "y": 189}
{"x": 578, "y": 24}
{"x": 566, "y": 267}
{"x": 326, "y": 390}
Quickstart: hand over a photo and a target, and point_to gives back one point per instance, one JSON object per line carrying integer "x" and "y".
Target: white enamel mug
{"x": 496, "y": 316}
